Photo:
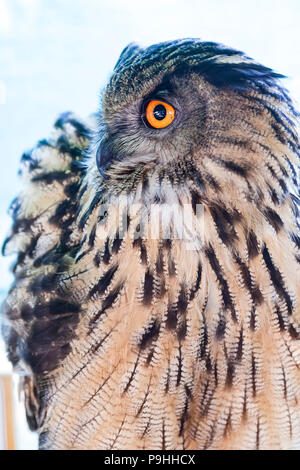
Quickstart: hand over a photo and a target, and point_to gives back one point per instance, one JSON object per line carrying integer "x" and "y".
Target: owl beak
{"x": 104, "y": 159}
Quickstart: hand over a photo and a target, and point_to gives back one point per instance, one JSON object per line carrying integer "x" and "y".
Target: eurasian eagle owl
{"x": 156, "y": 301}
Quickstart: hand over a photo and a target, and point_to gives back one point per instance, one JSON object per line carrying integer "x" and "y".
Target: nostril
{"x": 103, "y": 158}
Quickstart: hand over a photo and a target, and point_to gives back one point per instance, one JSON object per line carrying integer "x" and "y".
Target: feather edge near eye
{"x": 159, "y": 114}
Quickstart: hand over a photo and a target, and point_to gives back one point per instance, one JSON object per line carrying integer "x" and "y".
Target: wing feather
{"x": 44, "y": 238}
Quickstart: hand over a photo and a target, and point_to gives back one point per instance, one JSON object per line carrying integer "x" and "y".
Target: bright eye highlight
{"x": 159, "y": 114}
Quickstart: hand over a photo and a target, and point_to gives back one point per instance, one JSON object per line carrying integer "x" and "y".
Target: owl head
{"x": 195, "y": 118}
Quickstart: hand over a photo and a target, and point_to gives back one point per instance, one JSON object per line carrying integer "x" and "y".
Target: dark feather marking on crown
{"x": 167, "y": 59}
{"x": 278, "y": 93}
{"x": 241, "y": 76}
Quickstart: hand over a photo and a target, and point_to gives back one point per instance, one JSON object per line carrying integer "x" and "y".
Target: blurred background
{"x": 56, "y": 55}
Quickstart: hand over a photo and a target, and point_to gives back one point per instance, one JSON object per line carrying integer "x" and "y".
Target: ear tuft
{"x": 130, "y": 51}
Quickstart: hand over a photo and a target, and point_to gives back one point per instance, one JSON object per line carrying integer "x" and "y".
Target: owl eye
{"x": 159, "y": 114}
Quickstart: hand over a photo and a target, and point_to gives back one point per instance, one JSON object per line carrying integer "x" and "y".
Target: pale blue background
{"x": 55, "y": 55}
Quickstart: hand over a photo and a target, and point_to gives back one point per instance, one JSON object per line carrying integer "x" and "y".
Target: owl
{"x": 156, "y": 294}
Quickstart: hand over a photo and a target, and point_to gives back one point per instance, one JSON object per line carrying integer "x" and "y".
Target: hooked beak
{"x": 104, "y": 159}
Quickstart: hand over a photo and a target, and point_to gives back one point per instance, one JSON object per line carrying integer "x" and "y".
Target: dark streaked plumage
{"x": 129, "y": 340}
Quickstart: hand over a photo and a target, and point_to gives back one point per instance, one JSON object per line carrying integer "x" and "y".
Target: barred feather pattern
{"x": 135, "y": 342}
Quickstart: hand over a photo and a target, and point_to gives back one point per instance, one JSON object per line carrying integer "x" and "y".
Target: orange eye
{"x": 159, "y": 114}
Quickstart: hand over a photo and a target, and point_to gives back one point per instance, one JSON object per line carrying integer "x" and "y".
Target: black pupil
{"x": 160, "y": 112}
